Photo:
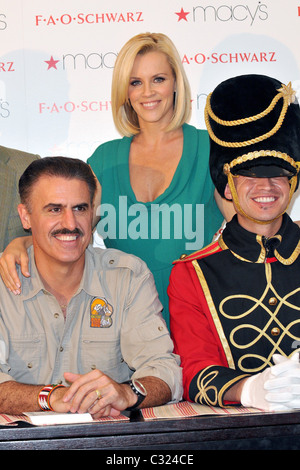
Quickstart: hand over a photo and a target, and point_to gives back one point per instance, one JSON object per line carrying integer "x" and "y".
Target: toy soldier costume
{"x": 236, "y": 303}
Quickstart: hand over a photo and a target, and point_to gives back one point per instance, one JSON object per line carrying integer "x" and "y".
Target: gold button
{"x": 275, "y": 331}
{"x": 29, "y": 365}
{"x": 183, "y": 256}
{"x": 272, "y": 301}
{"x": 160, "y": 328}
{"x": 111, "y": 261}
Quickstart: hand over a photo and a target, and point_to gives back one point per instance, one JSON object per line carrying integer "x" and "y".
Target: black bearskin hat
{"x": 254, "y": 126}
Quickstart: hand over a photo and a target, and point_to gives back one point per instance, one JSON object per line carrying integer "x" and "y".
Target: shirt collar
{"x": 284, "y": 246}
{"x": 90, "y": 281}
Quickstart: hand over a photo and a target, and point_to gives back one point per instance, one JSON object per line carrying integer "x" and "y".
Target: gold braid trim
{"x": 286, "y": 93}
{"x": 291, "y": 259}
{"x": 261, "y": 153}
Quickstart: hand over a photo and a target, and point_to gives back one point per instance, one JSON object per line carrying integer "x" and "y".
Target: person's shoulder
{"x": 14, "y": 157}
{"x": 111, "y": 258}
{"x": 109, "y": 144}
{"x": 208, "y": 250}
{"x": 197, "y": 140}
{"x": 106, "y": 155}
{"x": 108, "y": 147}
{"x": 189, "y": 129}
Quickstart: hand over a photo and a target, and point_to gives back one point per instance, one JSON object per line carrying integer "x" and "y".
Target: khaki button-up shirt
{"x": 113, "y": 324}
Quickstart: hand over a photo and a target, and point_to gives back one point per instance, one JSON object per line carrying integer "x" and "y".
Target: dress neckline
{"x": 181, "y": 169}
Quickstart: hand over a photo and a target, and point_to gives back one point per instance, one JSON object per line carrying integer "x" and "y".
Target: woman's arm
{"x": 15, "y": 253}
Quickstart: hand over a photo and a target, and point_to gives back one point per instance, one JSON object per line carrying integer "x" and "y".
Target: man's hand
{"x": 97, "y": 394}
{"x": 57, "y": 402}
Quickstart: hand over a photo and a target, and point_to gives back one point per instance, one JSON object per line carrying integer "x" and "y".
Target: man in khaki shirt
{"x": 87, "y": 324}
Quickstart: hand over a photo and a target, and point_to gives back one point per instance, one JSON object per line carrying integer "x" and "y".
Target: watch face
{"x": 140, "y": 387}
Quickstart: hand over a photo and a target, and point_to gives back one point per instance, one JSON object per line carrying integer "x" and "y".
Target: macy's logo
{"x": 224, "y": 13}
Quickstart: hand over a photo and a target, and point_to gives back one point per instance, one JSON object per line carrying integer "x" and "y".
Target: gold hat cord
{"x": 285, "y": 92}
{"x": 293, "y": 184}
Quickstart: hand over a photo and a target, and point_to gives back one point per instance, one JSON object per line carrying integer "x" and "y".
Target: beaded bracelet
{"x": 44, "y": 396}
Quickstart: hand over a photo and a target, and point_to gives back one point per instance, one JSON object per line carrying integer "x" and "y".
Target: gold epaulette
{"x": 206, "y": 251}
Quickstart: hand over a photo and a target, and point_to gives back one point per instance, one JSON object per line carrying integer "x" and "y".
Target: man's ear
{"x": 24, "y": 216}
{"x": 227, "y": 192}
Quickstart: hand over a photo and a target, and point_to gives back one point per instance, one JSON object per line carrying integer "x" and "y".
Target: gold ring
{"x": 98, "y": 394}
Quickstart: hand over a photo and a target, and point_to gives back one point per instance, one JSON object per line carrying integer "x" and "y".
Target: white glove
{"x": 277, "y": 388}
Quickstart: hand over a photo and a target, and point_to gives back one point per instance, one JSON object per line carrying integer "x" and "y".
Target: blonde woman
{"x": 156, "y": 177}
{"x": 156, "y": 198}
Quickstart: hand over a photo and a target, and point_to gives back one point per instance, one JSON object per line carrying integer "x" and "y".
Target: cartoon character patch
{"x": 101, "y": 312}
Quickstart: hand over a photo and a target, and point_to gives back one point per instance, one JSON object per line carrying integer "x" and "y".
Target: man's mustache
{"x": 65, "y": 231}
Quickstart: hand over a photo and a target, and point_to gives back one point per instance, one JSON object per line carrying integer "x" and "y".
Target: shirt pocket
{"x": 25, "y": 358}
{"x": 102, "y": 354}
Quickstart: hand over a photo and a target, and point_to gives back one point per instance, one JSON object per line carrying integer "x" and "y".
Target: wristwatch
{"x": 139, "y": 390}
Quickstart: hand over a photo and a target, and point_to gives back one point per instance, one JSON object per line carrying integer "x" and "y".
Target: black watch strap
{"x": 140, "y": 395}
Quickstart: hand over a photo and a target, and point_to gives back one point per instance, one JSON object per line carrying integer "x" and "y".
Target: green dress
{"x": 181, "y": 220}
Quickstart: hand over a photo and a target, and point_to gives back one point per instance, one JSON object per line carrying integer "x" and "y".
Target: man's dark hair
{"x": 69, "y": 168}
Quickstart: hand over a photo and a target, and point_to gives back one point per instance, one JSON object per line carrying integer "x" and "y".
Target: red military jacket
{"x": 233, "y": 305}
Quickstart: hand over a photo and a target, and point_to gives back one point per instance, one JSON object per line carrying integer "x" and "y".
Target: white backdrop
{"x": 57, "y": 58}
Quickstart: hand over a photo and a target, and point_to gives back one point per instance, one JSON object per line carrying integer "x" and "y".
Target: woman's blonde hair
{"x": 125, "y": 118}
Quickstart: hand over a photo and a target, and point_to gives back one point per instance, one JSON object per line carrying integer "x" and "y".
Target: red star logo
{"x": 51, "y": 63}
{"x": 182, "y": 14}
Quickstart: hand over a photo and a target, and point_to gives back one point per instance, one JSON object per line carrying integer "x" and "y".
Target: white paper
{"x": 51, "y": 417}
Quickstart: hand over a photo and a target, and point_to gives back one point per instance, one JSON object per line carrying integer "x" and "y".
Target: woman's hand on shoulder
{"x": 15, "y": 253}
